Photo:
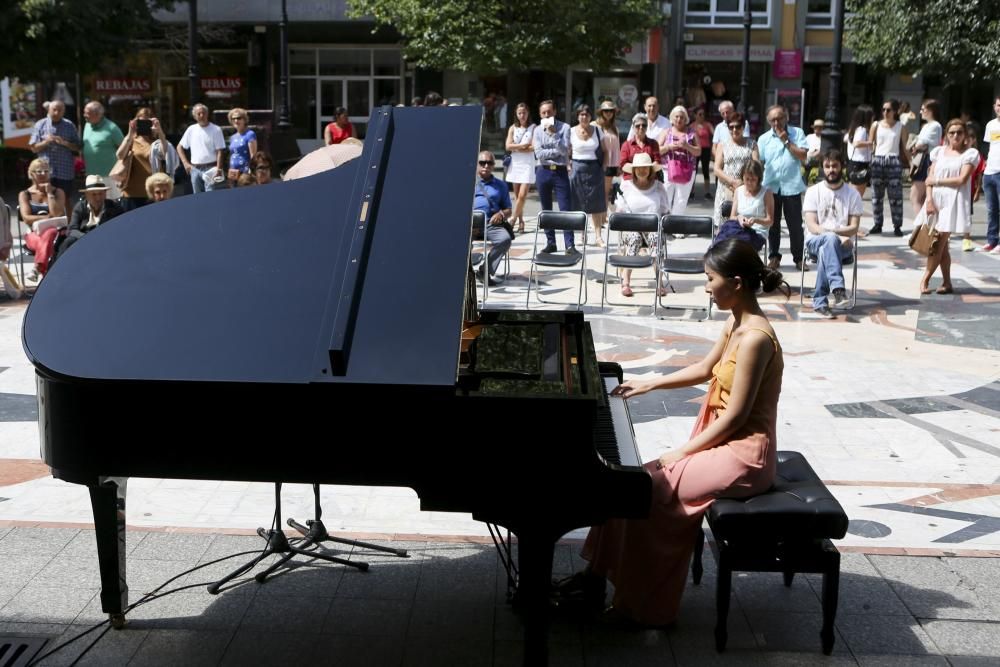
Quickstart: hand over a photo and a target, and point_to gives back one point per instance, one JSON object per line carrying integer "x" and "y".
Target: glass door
{"x": 354, "y": 94}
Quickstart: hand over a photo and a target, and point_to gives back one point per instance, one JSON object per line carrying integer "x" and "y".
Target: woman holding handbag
{"x": 134, "y": 152}
{"x": 859, "y": 148}
{"x": 681, "y": 150}
{"x": 889, "y": 138}
{"x": 948, "y": 199}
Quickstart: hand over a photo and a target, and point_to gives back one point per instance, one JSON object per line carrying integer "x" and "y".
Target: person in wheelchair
{"x": 832, "y": 215}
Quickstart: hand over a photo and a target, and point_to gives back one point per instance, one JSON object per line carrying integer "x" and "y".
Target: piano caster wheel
{"x": 117, "y": 621}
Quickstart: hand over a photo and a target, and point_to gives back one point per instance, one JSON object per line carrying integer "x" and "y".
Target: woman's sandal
{"x": 520, "y": 227}
{"x": 627, "y": 290}
{"x": 945, "y": 289}
{"x": 925, "y": 289}
{"x": 584, "y": 587}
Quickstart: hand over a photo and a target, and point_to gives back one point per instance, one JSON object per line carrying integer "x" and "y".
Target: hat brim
{"x": 610, "y": 108}
{"x": 656, "y": 166}
{"x": 95, "y": 188}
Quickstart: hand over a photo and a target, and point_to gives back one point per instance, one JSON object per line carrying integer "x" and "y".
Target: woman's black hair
{"x": 863, "y": 116}
{"x": 734, "y": 258}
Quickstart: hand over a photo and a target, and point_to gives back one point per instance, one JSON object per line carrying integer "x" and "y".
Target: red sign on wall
{"x": 787, "y": 64}
{"x": 119, "y": 86}
{"x": 226, "y": 84}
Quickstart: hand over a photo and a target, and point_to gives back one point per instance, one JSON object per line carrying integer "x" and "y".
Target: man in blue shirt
{"x": 783, "y": 151}
{"x": 493, "y": 199}
{"x": 551, "y": 140}
{"x": 55, "y": 139}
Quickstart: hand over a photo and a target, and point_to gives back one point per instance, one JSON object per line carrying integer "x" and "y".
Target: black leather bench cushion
{"x": 798, "y": 506}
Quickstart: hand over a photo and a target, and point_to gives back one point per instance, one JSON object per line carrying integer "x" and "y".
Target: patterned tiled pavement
{"x": 896, "y": 404}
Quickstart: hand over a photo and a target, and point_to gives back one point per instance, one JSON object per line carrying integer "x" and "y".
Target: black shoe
{"x": 481, "y": 274}
{"x": 801, "y": 266}
{"x": 896, "y": 231}
{"x": 840, "y": 297}
{"x": 709, "y": 195}
{"x": 572, "y": 250}
{"x": 774, "y": 262}
{"x": 549, "y": 248}
{"x": 875, "y": 230}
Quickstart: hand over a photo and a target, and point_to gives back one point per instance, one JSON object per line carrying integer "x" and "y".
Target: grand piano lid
{"x": 352, "y": 275}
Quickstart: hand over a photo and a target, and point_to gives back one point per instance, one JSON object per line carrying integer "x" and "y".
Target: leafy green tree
{"x": 43, "y": 36}
{"x": 955, "y": 40}
{"x": 491, "y": 36}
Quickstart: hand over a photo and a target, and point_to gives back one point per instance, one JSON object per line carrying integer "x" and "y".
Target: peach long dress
{"x": 647, "y": 560}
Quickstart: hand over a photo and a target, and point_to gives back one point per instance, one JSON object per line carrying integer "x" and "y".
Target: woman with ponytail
{"x": 731, "y": 452}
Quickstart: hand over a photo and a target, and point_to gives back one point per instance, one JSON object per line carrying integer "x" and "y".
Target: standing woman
{"x": 704, "y": 130}
{"x": 339, "y": 129}
{"x": 889, "y": 138}
{"x": 681, "y": 150}
{"x": 586, "y": 181}
{"x": 521, "y": 173}
{"x": 242, "y": 144}
{"x": 949, "y": 196}
{"x": 608, "y": 122}
{"x": 639, "y": 143}
{"x": 731, "y": 158}
{"x": 732, "y": 451}
{"x": 928, "y": 139}
{"x": 140, "y": 145}
{"x": 859, "y": 148}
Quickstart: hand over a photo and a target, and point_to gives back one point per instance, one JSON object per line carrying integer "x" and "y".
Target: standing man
{"x": 991, "y": 182}
{"x": 721, "y": 134}
{"x": 657, "y": 124}
{"x": 551, "y": 140}
{"x": 207, "y": 146}
{"x": 493, "y": 199}
{"x": 783, "y": 150}
{"x": 833, "y": 216}
{"x": 55, "y": 139}
{"x": 101, "y": 139}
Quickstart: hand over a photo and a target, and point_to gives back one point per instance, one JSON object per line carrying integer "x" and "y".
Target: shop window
{"x": 387, "y": 62}
{"x": 345, "y": 62}
{"x": 387, "y": 91}
{"x": 726, "y": 13}
{"x": 822, "y": 12}
{"x": 303, "y": 102}
{"x": 302, "y": 62}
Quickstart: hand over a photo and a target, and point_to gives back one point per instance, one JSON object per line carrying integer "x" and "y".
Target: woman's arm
{"x": 509, "y": 144}
{"x": 126, "y": 145}
{"x": 252, "y": 144}
{"x": 755, "y": 154}
{"x": 327, "y": 135}
{"x": 755, "y": 351}
{"x": 954, "y": 181}
{"x": 720, "y": 161}
{"x": 768, "y": 210}
{"x": 686, "y": 377}
{"x": 692, "y": 146}
{"x": 929, "y": 206}
{"x": 60, "y": 202}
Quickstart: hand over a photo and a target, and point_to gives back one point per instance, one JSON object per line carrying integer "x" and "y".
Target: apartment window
{"x": 726, "y": 13}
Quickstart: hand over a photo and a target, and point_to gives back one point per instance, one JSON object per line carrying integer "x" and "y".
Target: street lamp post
{"x": 832, "y": 136}
{"x": 283, "y": 109}
{"x": 194, "y": 88}
{"x": 745, "y": 77}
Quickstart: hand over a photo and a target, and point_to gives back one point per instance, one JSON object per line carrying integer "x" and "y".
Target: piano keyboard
{"x": 614, "y": 438}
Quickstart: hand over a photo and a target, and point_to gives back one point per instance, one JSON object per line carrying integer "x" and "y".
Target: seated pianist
{"x": 493, "y": 199}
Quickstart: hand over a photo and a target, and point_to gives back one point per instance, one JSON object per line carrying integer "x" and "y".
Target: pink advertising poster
{"x": 787, "y": 63}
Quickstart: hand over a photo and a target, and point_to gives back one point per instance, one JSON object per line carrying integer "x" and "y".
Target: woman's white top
{"x": 751, "y": 206}
{"x": 653, "y": 199}
{"x": 930, "y": 134}
{"x": 855, "y": 154}
{"x": 585, "y": 149}
{"x": 954, "y": 204}
{"x": 887, "y": 140}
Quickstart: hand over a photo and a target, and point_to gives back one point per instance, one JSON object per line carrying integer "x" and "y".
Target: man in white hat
{"x": 94, "y": 209}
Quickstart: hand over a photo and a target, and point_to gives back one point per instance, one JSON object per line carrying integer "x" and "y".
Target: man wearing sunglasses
{"x": 783, "y": 151}
{"x": 493, "y": 199}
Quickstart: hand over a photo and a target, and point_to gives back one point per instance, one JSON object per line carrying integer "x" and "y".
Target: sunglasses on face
{"x": 607, "y": 110}
{"x": 735, "y": 126}
{"x": 486, "y": 163}
{"x": 262, "y": 169}
{"x": 41, "y": 172}
{"x": 886, "y": 109}
{"x": 642, "y": 125}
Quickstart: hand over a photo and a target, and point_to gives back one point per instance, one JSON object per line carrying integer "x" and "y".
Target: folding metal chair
{"x": 573, "y": 221}
{"x": 631, "y": 222}
{"x": 477, "y": 258}
{"x": 852, "y": 262}
{"x": 7, "y": 243}
{"x": 701, "y": 226}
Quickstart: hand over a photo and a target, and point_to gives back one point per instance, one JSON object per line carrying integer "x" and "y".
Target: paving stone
{"x": 965, "y": 638}
{"x": 870, "y": 634}
{"x": 387, "y": 619}
{"x": 786, "y": 631}
{"x": 27, "y": 541}
{"x": 115, "y": 647}
{"x": 256, "y": 647}
{"x": 44, "y": 604}
{"x": 191, "y": 648}
{"x": 172, "y": 546}
{"x": 902, "y": 661}
{"x": 286, "y": 613}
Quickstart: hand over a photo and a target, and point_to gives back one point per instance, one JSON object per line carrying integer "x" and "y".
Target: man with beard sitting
{"x": 832, "y": 217}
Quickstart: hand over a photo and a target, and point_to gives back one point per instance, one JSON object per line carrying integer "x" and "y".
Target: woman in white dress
{"x": 928, "y": 139}
{"x": 859, "y": 149}
{"x": 643, "y": 193}
{"x": 521, "y": 172}
{"x": 949, "y": 197}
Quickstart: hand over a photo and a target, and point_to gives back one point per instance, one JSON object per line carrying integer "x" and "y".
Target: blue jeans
{"x": 991, "y": 191}
{"x": 548, "y": 181}
{"x": 830, "y": 253}
{"x": 198, "y": 181}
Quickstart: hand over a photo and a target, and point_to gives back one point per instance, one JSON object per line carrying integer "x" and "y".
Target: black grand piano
{"x": 320, "y": 330}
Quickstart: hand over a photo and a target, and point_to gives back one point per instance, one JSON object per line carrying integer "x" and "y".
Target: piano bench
{"x": 787, "y": 529}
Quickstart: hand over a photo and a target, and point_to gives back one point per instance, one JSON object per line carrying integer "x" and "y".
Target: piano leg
{"x": 107, "y": 500}
{"x": 534, "y": 557}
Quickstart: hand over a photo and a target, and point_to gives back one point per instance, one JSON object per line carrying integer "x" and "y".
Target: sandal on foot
{"x": 626, "y": 290}
{"x": 945, "y": 289}
{"x": 925, "y": 290}
{"x": 583, "y": 586}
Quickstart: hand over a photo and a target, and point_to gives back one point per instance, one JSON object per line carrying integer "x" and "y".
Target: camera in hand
{"x": 144, "y": 127}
